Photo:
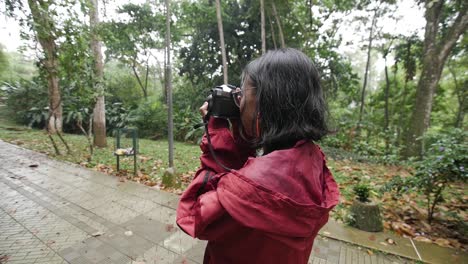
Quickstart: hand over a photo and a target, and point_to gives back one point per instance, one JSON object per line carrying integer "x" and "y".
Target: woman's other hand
{"x": 204, "y": 110}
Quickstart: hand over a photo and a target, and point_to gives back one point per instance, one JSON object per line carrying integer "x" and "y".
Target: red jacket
{"x": 266, "y": 210}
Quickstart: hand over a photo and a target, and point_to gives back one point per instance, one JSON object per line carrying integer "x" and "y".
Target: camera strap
{"x": 211, "y": 148}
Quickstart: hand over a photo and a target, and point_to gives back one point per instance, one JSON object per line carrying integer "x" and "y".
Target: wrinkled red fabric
{"x": 268, "y": 209}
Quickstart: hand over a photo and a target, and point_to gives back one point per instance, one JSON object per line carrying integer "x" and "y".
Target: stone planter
{"x": 366, "y": 216}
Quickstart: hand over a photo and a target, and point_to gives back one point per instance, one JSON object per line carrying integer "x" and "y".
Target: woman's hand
{"x": 204, "y": 110}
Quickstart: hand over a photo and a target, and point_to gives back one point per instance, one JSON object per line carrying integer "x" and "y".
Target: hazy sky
{"x": 412, "y": 21}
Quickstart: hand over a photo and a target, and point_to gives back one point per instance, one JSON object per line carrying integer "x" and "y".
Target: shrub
{"x": 184, "y": 125}
{"x": 398, "y": 185}
{"x": 27, "y": 101}
{"x": 362, "y": 191}
{"x": 150, "y": 118}
{"x": 117, "y": 116}
{"x": 444, "y": 161}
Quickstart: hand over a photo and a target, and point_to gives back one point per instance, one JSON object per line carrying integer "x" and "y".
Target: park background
{"x": 394, "y": 74}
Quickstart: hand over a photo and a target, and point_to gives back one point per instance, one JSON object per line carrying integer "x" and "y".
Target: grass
{"x": 152, "y": 158}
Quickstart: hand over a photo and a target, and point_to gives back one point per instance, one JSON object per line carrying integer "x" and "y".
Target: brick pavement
{"x": 61, "y": 213}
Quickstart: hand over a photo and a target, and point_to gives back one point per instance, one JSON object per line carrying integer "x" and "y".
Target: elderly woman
{"x": 269, "y": 208}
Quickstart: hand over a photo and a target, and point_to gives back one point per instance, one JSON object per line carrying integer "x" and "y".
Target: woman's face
{"x": 247, "y": 107}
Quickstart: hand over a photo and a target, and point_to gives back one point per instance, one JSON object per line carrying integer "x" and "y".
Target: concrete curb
{"x": 403, "y": 246}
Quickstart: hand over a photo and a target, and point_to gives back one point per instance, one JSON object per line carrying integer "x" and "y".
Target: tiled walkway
{"x": 54, "y": 212}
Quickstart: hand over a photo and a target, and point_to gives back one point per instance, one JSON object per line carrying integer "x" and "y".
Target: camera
{"x": 221, "y": 102}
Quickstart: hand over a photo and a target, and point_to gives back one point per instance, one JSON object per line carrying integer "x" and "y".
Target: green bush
{"x": 184, "y": 125}
{"x": 444, "y": 161}
{"x": 362, "y": 192}
{"x": 398, "y": 185}
{"x": 150, "y": 118}
{"x": 27, "y": 101}
{"x": 117, "y": 116}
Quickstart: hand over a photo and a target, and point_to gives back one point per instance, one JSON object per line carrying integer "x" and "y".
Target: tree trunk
{"x": 99, "y": 112}
{"x": 221, "y": 41}
{"x": 140, "y": 83}
{"x": 462, "y": 94}
{"x": 262, "y": 16}
{"x": 366, "y": 72}
{"x": 387, "y": 116}
{"x": 401, "y": 126}
{"x": 168, "y": 77}
{"x": 278, "y": 22}
{"x": 435, "y": 53}
{"x": 44, "y": 29}
{"x": 273, "y": 36}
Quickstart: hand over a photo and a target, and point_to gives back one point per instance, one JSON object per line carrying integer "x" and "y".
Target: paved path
{"x": 61, "y": 213}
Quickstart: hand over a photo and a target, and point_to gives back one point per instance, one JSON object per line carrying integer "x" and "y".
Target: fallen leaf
{"x": 4, "y": 258}
{"x": 98, "y": 233}
{"x": 150, "y": 183}
{"x": 422, "y": 239}
{"x": 372, "y": 238}
{"x": 370, "y": 252}
{"x": 169, "y": 227}
{"x": 383, "y": 243}
{"x": 390, "y": 241}
{"x": 442, "y": 242}
{"x": 326, "y": 233}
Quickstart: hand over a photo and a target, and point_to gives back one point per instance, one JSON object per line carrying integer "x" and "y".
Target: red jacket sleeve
{"x": 199, "y": 212}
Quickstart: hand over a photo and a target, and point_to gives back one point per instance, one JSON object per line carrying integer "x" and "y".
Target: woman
{"x": 267, "y": 209}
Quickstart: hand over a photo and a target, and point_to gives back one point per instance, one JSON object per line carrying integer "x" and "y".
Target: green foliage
{"x": 4, "y": 63}
{"x": 444, "y": 162}
{"x": 116, "y": 116}
{"x": 184, "y": 122}
{"x": 121, "y": 85}
{"x": 150, "y": 118}
{"x": 398, "y": 185}
{"x": 362, "y": 191}
{"x": 134, "y": 40}
{"x": 27, "y": 101}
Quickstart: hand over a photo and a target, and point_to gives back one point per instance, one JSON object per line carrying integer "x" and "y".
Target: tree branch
{"x": 458, "y": 27}
{"x": 138, "y": 79}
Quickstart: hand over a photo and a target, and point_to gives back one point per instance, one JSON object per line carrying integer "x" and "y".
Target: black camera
{"x": 221, "y": 102}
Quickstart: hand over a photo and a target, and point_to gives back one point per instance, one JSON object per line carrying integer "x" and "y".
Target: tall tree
{"x": 44, "y": 28}
{"x": 133, "y": 40}
{"x": 221, "y": 41}
{"x": 168, "y": 81}
{"x": 366, "y": 71}
{"x": 408, "y": 52}
{"x": 445, "y": 23}
{"x": 278, "y": 23}
{"x": 99, "y": 112}
{"x": 262, "y": 18}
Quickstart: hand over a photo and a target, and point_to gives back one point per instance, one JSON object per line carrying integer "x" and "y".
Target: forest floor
{"x": 403, "y": 213}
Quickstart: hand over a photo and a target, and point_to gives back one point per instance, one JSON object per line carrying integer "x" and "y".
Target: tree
{"x": 99, "y": 112}
{"x": 262, "y": 17}
{"x": 133, "y": 41}
{"x": 221, "y": 41}
{"x": 408, "y": 52}
{"x": 445, "y": 23}
{"x": 3, "y": 61}
{"x": 168, "y": 77}
{"x": 278, "y": 23}
{"x": 44, "y": 27}
{"x": 366, "y": 71}
{"x": 385, "y": 51}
